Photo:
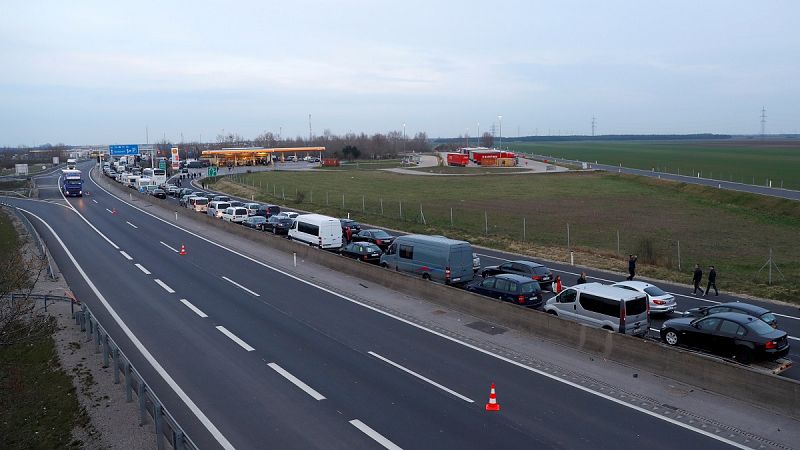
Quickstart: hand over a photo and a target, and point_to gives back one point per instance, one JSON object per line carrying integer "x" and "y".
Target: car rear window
{"x": 636, "y": 306}
{"x": 769, "y": 318}
{"x": 654, "y": 291}
{"x": 530, "y": 288}
{"x": 240, "y": 211}
{"x": 201, "y": 201}
{"x": 540, "y": 270}
{"x": 760, "y": 327}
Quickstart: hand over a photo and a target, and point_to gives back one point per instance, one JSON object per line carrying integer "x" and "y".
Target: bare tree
{"x": 19, "y": 317}
{"x": 487, "y": 140}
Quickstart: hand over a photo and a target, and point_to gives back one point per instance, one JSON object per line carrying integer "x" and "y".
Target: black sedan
{"x": 354, "y": 226}
{"x": 530, "y": 269}
{"x": 378, "y": 237}
{"x": 737, "y": 307}
{"x": 363, "y": 251}
{"x": 510, "y": 287}
{"x": 278, "y": 225}
{"x": 255, "y": 222}
{"x": 728, "y": 334}
{"x": 159, "y": 193}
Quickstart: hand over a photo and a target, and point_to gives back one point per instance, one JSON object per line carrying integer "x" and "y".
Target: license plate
{"x": 374, "y": 255}
{"x": 456, "y": 279}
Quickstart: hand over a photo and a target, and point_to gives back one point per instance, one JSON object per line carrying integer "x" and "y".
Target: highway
{"x": 246, "y": 355}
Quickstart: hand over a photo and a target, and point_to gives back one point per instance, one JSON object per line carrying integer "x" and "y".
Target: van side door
{"x": 566, "y": 303}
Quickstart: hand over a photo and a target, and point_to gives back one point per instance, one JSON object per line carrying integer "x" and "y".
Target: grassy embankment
{"x": 38, "y": 407}
{"x": 744, "y": 161}
{"x": 733, "y": 231}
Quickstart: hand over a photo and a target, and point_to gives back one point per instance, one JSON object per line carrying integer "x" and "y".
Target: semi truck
{"x": 72, "y": 183}
{"x": 457, "y": 159}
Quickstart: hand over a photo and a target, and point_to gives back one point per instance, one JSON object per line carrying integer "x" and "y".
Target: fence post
{"x": 343, "y": 207}
{"x": 451, "y": 217}
{"x": 486, "y": 222}
{"x": 115, "y": 361}
{"x": 401, "y": 209}
{"x": 381, "y": 206}
{"x": 568, "y": 242}
{"x": 142, "y": 404}
{"x": 283, "y": 192}
{"x": 96, "y": 337}
{"x": 422, "y": 215}
{"x": 679, "y": 255}
{"x": 157, "y": 412}
{"x": 128, "y": 383}
{"x": 312, "y": 197}
{"x": 524, "y": 226}
{"x": 617, "y": 242}
{"x": 106, "y": 350}
{"x": 363, "y": 205}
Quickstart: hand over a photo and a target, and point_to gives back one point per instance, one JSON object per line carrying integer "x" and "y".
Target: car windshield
{"x": 654, "y": 291}
{"x": 769, "y": 318}
{"x": 380, "y": 234}
{"x": 760, "y": 327}
{"x": 530, "y": 288}
{"x": 372, "y": 248}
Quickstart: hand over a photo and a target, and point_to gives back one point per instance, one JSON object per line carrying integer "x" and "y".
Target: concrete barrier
{"x": 733, "y": 380}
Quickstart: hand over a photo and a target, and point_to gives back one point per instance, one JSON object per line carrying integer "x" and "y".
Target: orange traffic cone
{"x": 183, "y": 250}
{"x": 492, "y": 405}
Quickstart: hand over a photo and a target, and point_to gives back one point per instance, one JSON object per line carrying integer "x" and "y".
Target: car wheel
{"x": 483, "y": 274}
{"x": 744, "y": 355}
{"x": 671, "y": 337}
{"x": 426, "y": 276}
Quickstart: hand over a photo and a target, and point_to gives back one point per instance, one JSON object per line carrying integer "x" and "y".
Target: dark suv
{"x": 516, "y": 289}
{"x": 530, "y": 269}
{"x": 378, "y": 237}
{"x": 267, "y": 210}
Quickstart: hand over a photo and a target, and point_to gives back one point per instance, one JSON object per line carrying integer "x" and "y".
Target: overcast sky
{"x": 102, "y": 72}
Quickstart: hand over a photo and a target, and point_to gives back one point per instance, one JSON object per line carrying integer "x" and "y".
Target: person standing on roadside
{"x": 632, "y": 266}
{"x": 712, "y": 281}
{"x": 582, "y": 278}
{"x": 697, "y": 278}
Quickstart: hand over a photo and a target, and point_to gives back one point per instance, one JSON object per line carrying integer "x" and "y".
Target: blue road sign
{"x": 122, "y": 150}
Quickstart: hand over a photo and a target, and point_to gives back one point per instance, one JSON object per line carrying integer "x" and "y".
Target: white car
{"x": 660, "y": 301}
{"x": 288, "y": 215}
{"x": 235, "y": 214}
{"x": 252, "y": 208}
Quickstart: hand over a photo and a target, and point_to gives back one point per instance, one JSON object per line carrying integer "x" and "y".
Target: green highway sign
{"x": 212, "y": 171}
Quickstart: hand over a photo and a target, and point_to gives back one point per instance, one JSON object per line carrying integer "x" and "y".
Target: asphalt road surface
{"x": 245, "y": 355}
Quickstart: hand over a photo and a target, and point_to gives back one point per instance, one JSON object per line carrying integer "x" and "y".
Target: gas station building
{"x": 256, "y": 155}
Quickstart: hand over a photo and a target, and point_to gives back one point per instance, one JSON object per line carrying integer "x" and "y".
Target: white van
{"x": 603, "y": 306}
{"x": 132, "y": 180}
{"x": 216, "y": 208}
{"x": 199, "y": 204}
{"x": 142, "y": 182}
{"x": 317, "y": 230}
{"x": 235, "y": 214}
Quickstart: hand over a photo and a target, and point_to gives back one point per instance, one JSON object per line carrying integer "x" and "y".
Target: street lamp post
{"x": 404, "y": 138}
{"x": 500, "y": 118}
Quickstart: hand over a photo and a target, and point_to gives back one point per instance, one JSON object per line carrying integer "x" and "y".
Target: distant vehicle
{"x": 457, "y": 159}
{"x": 199, "y": 204}
{"x": 71, "y": 183}
{"x": 728, "y": 334}
{"x": 317, "y": 230}
{"x": 159, "y": 176}
{"x": 278, "y": 224}
{"x": 530, "y": 269}
{"x": 288, "y": 214}
{"x": 159, "y": 193}
{"x": 512, "y": 288}
{"x": 432, "y": 257}
{"x": 255, "y": 222}
{"x": 362, "y": 251}
{"x": 268, "y": 210}
{"x": 221, "y": 198}
{"x": 217, "y": 207}
{"x": 252, "y": 208}
{"x": 660, "y": 301}
{"x": 352, "y": 224}
{"x": 376, "y": 236}
{"x": 235, "y": 214}
{"x": 194, "y": 165}
{"x": 737, "y": 307}
{"x": 237, "y": 203}
{"x": 71, "y": 162}
{"x": 602, "y": 306}
{"x": 476, "y": 263}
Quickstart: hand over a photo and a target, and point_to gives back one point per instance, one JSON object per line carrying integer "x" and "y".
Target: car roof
{"x": 527, "y": 263}
{"x": 607, "y": 290}
{"x": 751, "y": 309}
{"x": 515, "y": 277}
{"x": 741, "y": 319}
{"x": 634, "y": 284}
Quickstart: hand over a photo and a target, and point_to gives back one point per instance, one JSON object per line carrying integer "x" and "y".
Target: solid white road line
{"x": 194, "y": 308}
{"x": 94, "y": 200}
{"x": 134, "y": 226}
{"x": 434, "y": 332}
{"x": 108, "y": 210}
{"x": 164, "y": 285}
{"x": 427, "y": 380}
{"x": 792, "y": 337}
{"x": 240, "y": 286}
{"x": 141, "y": 267}
{"x": 127, "y": 256}
{"x": 306, "y": 388}
{"x": 167, "y": 245}
{"x": 212, "y": 429}
{"x": 374, "y": 435}
{"x": 234, "y": 338}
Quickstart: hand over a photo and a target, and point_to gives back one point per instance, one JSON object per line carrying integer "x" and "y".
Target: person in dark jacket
{"x": 712, "y": 281}
{"x": 697, "y": 278}
{"x": 632, "y": 266}
{"x": 582, "y": 278}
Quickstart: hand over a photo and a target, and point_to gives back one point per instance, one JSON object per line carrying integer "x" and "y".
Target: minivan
{"x": 603, "y": 306}
{"x": 235, "y": 214}
{"x": 217, "y": 207}
{"x": 199, "y": 204}
{"x": 317, "y": 230}
{"x": 432, "y": 257}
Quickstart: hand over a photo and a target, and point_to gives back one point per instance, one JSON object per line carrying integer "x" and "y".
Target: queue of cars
{"x": 740, "y": 331}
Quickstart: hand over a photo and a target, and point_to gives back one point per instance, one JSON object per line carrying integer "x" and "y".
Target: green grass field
{"x": 8, "y": 236}
{"x": 745, "y": 161}
{"x": 530, "y": 214}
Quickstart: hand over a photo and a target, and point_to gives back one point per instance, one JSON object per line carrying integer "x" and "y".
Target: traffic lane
{"x": 209, "y": 356}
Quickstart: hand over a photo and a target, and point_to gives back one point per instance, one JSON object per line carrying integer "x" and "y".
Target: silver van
{"x": 603, "y": 306}
{"x": 433, "y": 257}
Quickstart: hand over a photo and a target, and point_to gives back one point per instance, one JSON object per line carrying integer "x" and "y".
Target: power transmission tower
{"x": 594, "y": 123}
{"x": 763, "y": 120}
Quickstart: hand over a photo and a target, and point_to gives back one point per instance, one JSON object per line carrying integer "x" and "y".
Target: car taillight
{"x": 378, "y": 241}
{"x": 521, "y": 299}
{"x": 659, "y": 302}
{"x": 537, "y": 277}
{"x": 771, "y": 344}
{"x": 447, "y": 274}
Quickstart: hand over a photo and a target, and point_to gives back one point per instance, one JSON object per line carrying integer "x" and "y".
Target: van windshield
{"x": 636, "y": 306}
{"x": 201, "y": 201}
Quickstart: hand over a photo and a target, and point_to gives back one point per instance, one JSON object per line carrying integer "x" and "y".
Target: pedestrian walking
{"x": 348, "y": 232}
{"x": 559, "y": 286}
{"x": 697, "y": 278}
{"x": 712, "y": 281}
{"x": 582, "y": 278}
{"x": 632, "y": 266}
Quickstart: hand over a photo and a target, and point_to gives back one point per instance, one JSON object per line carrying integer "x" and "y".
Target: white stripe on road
{"x": 109, "y": 210}
{"x": 239, "y": 286}
{"x": 94, "y": 200}
{"x": 141, "y": 267}
{"x": 427, "y": 380}
{"x": 127, "y": 256}
{"x": 166, "y": 245}
{"x": 306, "y": 388}
{"x": 234, "y": 338}
{"x": 792, "y": 337}
{"x": 134, "y": 226}
{"x": 194, "y": 308}
{"x": 164, "y": 285}
{"x": 374, "y": 435}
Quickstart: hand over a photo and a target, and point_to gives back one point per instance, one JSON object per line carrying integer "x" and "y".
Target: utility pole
{"x": 763, "y": 120}
{"x": 309, "y": 129}
{"x": 594, "y": 123}
{"x": 500, "y": 119}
